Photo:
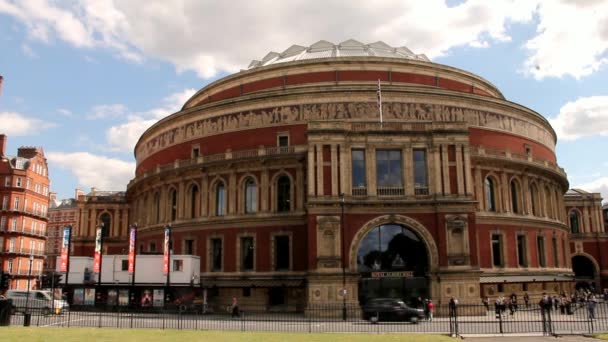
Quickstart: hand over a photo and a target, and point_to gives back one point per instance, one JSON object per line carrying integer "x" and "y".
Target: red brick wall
{"x": 505, "y": 141}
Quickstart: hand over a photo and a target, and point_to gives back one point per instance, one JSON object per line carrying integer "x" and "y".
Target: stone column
{"x": 264, "y": 190}
{"x": 334, "y": 169}
{"x": 525, "y": 193}
{"x": 446, "y": 169}
{"x": 436, "y": 162}
{"x": 504, "y": 187}
{"x": 232, "y": 193}
{"x": 587, "y": 220}
{"x": 204, "y": 195}
{"x": 311, "y": 170}
{"x": 459, "y": 169}
{"x": 320, "y": 184}
{"x": 407, "y": 165}
{"x": 115, "y": 231}
{"x": 345, "y": 172}
{"x": 467, "y": 170}
{"x": 370, "y": 171}
{"x": 479, "y": 189}
{"x": 92, "y": 222}
{"x": 163, "y": 204}
{"x": 82, "y": 226}
{"x": 124, "y": 214}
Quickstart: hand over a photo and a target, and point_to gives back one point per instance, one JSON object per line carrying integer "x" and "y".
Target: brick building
{"x": 24, "y": 192}
{"x": 588, "y": 237}
{"x": 62, "y": 213}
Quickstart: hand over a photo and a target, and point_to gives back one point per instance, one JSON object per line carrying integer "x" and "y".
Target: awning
{"x": 252, "y": 282}
{"x": 523, "y": 278}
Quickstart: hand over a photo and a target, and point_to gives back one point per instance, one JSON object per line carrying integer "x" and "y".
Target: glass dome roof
{"x": 325, "y": 49}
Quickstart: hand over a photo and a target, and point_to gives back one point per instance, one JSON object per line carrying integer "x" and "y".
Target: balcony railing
{"x": 421, "y": 190}
{"x": 26, "y": 251}
{"x": 390, "y": 191}
{"x": 37, "y": 213}
{"x": 506, "y": 154}
{"x": 23, "y": 230}
{"x": 360, "y": 191}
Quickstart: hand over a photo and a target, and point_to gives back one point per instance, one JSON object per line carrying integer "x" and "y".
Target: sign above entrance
{"x": 406, "y": 274}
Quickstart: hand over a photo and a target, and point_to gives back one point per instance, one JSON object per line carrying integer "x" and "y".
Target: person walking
{"x": 235, "y": 308}
{"x": 526, "y": 300}
{"x": 431, "y": 308}
{"x": 591, "y": 303}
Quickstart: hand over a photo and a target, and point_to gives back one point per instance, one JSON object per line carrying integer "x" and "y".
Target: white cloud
{"x": 107, "y": 111}
{"x": 94, "y": 171}
{"x": 212, "y": 36}
{"x": 572, "y": 39}
{"x": 598, "y": 185}
{"x": 15, "y": 124}
{"x": 123, "y": 137}
{"x": 28, "y": 52}
{"x": 586, "y": 116}
{"x": 65, "y": 112}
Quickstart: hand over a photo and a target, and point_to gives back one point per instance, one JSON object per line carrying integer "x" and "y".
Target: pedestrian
{"x": 431, "y": 308}
{"x": 513, "y": 301}
{"x": 452, "y": 305}
{"x": 526, "y": 300}
{"x": 591, "y": 303}
{"x": 486, "y": 303}
{"x": 235, "y": 308}
{"x": 426, "y": 309}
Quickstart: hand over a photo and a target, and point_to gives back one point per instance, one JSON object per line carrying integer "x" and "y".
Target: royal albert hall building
{"x": 281, "y": 174}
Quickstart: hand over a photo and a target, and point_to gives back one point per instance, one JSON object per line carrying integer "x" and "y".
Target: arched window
{"x": 251, "y": 196}
{"x": 490, "y": 195}
{"x": 549, "y": 212}
{"x": 515, "y": 196}
{"x": 283, "y": 194}
{"x": 173, "y": 196}
{"x": 157, "y": 206}
{"x": 106, "y": 220}
{"x": 220, "y": 199}
{"x": 194, "y": 201}
{"x": 574, "y": 222}
{"x": 534, "y": 200}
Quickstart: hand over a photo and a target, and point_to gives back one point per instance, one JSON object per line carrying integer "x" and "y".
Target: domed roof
{"x": 325, "y": 49}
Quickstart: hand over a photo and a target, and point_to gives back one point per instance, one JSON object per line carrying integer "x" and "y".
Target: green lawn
{"x": 602, "y": 336}
{"x": 21, "y": 334}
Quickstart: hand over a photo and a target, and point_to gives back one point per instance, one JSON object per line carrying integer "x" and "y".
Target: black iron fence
{"x": 581, "y": 318}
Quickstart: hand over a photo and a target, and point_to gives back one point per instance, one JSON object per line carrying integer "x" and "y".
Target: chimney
{"x": 2, "y": 144}
{"x": 52, "y": 199}
{"x": 78, "y": 193}
{"x": 93, "y": 190}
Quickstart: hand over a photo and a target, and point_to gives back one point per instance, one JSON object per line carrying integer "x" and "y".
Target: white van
{"x": 39, "y": 301}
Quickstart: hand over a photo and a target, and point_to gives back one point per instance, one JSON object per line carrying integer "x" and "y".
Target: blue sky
{"x": 84, "y": 79}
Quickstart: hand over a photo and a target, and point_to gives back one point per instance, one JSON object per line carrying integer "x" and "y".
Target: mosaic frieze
{"x": 358, "y": 111}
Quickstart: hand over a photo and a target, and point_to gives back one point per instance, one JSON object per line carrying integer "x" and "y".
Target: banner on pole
{"x": 166, "y": 250}
{"x": 132, "y": 237}
{"x": 97, "y": 257}
{"x": 65, "y": 250}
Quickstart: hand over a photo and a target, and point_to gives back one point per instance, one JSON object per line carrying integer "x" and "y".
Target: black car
{"x": 390, "y": 309}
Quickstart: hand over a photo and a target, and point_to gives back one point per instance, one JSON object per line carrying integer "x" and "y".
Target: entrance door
{"x": 276, "y": 296}
{"x": 393, "y": 263}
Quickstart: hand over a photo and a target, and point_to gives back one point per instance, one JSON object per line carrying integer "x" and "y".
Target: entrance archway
{"x": 393, "y": 262}
{"x": 585, "y": 271}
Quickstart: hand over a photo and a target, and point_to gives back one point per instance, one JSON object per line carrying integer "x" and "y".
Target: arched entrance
{"x": 585, "y": 271}
{"x": 393, "y": 262}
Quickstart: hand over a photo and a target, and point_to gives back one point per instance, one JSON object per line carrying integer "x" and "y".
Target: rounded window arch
{"x": 220, "y": 199}
{"x": 195, "y": 201}
{"x": 574, "y": 219}
{"x": 173, "y": 203}
{"x": 283, "y": 193}
{"x": 490, "y": 193}
{"x": 550, "y": 207}
{"x": 515, "y": 196}
{"x": 106, "y": 221}
{"x": 534, "y": 200}
{"x": 251, "y": 195}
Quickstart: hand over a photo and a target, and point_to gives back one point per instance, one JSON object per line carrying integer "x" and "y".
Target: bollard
{"x": 27, "y": 318}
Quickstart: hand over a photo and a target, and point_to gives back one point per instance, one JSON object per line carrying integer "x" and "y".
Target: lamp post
{"x": 29, "y": 279}
{"x": 343, "y": 258}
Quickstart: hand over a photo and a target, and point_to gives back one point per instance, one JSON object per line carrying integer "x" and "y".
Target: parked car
{"x": 390, "y": 309}
{"x": 39, "y": 302}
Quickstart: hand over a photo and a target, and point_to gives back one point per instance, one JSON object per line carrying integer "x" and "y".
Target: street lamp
{"x": 343, "y": 258}
{"x": 29, "y": 278}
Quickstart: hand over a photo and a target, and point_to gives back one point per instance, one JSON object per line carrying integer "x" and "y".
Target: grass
{"x": 601, "y": 336}
{"x": 22, "y": 334}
